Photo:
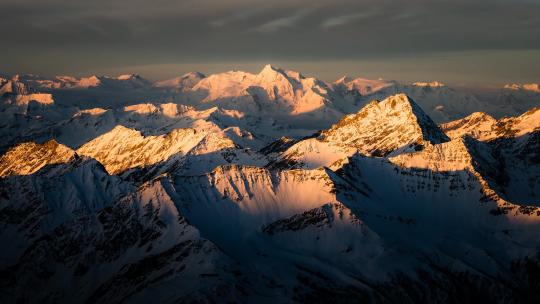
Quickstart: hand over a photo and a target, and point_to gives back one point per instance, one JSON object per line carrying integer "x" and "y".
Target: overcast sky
{"x": 457, "y": 41}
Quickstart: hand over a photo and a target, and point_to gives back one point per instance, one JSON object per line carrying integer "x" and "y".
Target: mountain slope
{"x": 381, "y": 127}
{"x": 123, "y": 148}
{"x": 182, "y": 83}
{"x": 485, "y": 128}
{"x": 137, "y": 242}
{"x": 224, "y": 189}
{"x": 396, "y": 123}
{"x": 27, "y": 158}
{"x": 514, "y": 142}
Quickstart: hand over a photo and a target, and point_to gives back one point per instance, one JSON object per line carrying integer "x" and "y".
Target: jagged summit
{"x": 16, "y": 91}
{"x": 394, "y": 125}
{"x": 272, "y": 91}
{"x": 478, "y": 125}
{"x": 27, "y": 158}
{"x": 381, "y": 127}
{"x": 218, "y": 185}
{"x": 124, "y": 148}
{"x": 484, "y": 127}
{"x": 269, "y": 72}
{"x": 270, "y": 69}
{"x": 13, "y": 86}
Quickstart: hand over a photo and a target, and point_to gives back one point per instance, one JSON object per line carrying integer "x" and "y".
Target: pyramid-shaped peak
{"x": 384, "y": 126}
{"x": 414, "y": 114}
{"x": 269, "y": 69}
{"x": 398, "y": 102}
{"x": 272, "y": 71}
{"x": 270, "y": 74}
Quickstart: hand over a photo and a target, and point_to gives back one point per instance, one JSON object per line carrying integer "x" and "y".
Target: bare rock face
{"x": 27, "y": 158}
{"x": 393, "y": 125}
{"x": 484, "y": 127}
{"x": 123, "y": 148}
{"x": 382, "y": 127}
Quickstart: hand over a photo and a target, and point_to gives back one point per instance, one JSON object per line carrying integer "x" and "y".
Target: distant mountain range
{"x": 268, "y": 187}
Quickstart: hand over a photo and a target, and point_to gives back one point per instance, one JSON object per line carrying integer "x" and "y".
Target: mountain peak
{"x": 484, "y": 127}
{"x": 14, "y": 86}
{"x": 29, "y": 157}
{"x": 184, "y": 82}
{"x": 382, "y": 127}
{"x": 91, "y": 81}
{"x": 271, "y": 73}
{"x": 128, "y": 77}
{"x": 269, "y": 68}
{"x": 194, "y": 74}
{"x": 122, "y": 148}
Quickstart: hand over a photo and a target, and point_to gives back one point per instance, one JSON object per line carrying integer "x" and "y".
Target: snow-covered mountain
{"x": 127, "y": 81}
{"x": 440, "y": 102}
{"x": 380, "y": 128}
{"x": 267, "y": 187}
{"x": 181, "y": 83}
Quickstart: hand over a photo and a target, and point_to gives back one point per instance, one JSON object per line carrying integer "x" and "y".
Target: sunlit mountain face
{"x": 247, "y": 151}
{"x": 268, "y": 186}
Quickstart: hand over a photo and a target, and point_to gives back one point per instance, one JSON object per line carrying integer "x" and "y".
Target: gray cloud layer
{"x": 63, "y": 35}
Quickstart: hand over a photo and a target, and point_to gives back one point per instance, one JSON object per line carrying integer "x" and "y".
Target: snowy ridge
{"x": 224, "y": 189}
{"x": 27, "y": 158}
{"x": 182, "y": 83}
{"x": 381, "y": 127}
{"x": 123, "y": 148}
{"x": 132, "y": 81}
{"x": 484, "y": 127}
{"x": 13, "y": 86}
{"x": 139, "y": 230}
{"x": 457, "y": 155}
{"x": 362, "y": 85}
{"x": 377, "y": 130}
{"x": 269, "y": 89}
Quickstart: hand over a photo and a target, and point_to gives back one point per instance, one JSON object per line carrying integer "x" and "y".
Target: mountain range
{"x": 267, "y": 187}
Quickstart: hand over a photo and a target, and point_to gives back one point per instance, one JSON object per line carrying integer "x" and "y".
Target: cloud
{"x": 345, "y": 19}
{"x": 281, "y": 23}
{"x": 235, "y": 17}
{"x": 62, "y": 34}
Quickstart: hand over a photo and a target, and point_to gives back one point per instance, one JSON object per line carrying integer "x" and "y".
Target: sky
{"x": 455, "y": 41}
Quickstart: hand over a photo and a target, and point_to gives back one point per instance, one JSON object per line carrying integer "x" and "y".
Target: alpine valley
{"x": 267, "y": 188}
